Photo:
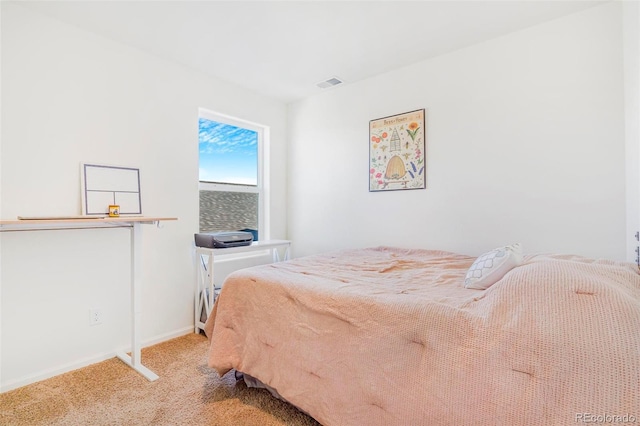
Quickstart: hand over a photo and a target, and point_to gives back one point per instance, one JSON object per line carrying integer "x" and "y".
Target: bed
{"x": 391, "y": 336}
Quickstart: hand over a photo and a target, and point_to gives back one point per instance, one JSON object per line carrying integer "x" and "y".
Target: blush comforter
{"x": 388, "y": 336}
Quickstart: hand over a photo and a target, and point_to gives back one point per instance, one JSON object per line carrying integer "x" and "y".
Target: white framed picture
{"x": 397, "y": 158}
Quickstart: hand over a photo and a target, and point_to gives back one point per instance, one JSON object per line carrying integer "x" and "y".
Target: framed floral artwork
{"x": 396, "y": 152}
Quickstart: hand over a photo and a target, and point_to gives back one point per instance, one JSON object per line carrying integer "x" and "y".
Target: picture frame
{"x": 103, "y": 186}
{"x": 397, "y": 158}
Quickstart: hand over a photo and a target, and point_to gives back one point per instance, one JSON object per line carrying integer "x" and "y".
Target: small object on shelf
{"x": 114, "y": 210}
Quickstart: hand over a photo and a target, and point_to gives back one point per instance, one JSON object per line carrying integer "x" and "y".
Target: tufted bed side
{"x": 389, "y": 336}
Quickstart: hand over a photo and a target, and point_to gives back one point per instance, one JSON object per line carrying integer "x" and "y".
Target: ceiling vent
{"x": 329, "y": 83}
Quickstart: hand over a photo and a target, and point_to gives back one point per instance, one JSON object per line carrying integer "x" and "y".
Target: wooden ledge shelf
{"x": 78, "y": 223}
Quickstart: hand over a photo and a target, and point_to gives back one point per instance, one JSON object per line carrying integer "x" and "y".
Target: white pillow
{"x": 490, "y": 267}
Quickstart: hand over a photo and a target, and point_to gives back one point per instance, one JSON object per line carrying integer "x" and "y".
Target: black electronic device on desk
{"x": 224, "y": 239}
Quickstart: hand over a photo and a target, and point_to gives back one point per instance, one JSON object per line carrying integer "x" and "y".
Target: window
{"x": 231, "y": 175}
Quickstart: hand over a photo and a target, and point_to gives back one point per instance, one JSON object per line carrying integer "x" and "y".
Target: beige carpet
{"x": 110, "y": 393}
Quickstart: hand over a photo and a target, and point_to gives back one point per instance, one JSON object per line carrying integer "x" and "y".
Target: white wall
{"x": 0, "y": 197}
{"x": 631, "y": 34}
{"x": 70, "y": 96}
{"x": 525, "y": 142}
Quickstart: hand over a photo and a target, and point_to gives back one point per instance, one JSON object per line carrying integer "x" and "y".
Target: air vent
{"x": 334, "y": 81}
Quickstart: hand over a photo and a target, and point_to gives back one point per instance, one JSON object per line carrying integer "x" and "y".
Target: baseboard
{"x": 65, "y": 368}
{"x": 52, "y": 372}
{"x": 167, "y": 336}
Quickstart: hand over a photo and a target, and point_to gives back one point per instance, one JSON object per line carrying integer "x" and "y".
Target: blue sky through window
{"x": 228, "y": 154}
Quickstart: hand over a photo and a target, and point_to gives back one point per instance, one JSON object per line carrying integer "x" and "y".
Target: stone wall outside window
{"x": 228, "y": 211}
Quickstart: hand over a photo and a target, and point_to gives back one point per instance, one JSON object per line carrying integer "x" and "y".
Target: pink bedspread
{"x": 388, "y": 336}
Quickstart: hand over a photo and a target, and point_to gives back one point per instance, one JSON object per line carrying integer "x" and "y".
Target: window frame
{"x": 261, "y": 188}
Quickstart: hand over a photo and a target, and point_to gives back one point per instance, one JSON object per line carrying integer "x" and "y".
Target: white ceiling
{"x": 284, "y": 48}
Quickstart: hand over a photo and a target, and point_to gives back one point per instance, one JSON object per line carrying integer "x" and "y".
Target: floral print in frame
{"x": 396, "y": 152}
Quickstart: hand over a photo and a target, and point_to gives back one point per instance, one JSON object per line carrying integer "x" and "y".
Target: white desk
{"x": 205, "y": 289}
{"x": 134, "y": 223}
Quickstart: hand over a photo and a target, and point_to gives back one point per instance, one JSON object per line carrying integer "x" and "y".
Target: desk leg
{"x": 136, "y": 312}
{"x": 276, "y": 254}
{"x": 197, "y": 306}
{"x": 205, "y": 291}
{"x": 211, "y": 284}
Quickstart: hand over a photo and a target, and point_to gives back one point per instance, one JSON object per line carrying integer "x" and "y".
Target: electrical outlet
{"x": 95, "y": 317}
